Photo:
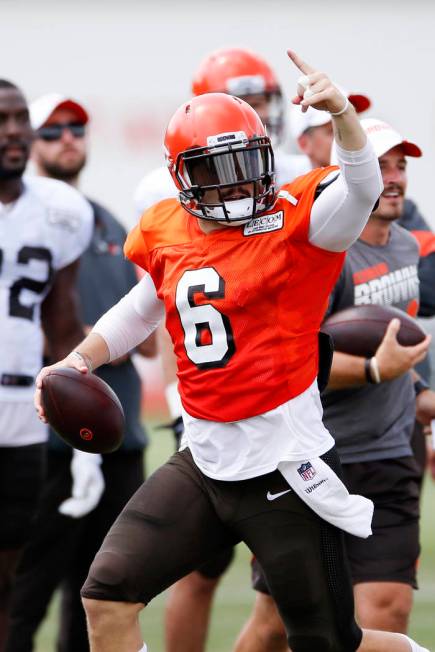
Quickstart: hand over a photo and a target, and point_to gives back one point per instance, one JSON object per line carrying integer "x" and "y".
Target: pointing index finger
{"x": 303, "y": 67}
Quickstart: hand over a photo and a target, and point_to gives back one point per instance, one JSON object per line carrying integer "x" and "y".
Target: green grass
{"x": 234, "y": 597}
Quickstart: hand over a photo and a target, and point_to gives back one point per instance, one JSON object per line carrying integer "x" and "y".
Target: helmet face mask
{"x": 221, "y": 159}
{"x": 229, "y": 182}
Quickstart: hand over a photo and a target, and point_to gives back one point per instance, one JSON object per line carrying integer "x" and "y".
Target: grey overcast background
{"x": 131, "y": 63}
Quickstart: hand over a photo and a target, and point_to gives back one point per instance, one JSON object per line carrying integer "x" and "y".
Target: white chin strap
{"x": 239, "y": 211}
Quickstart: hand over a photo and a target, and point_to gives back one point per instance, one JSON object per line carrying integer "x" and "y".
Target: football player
{"x": 44, "y": 227}
{"x": 90, "y": 490}
{"x": 370, "y": 407}
{"x": 244, "y": 277}
{"x": 247, "y": 75}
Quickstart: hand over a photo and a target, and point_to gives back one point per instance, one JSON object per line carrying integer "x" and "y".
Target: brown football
{"x": 359, "y": 330}
{"x": 83, "y": 410}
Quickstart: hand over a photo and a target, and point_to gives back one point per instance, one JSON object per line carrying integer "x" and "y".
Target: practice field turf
{"x": 234, "y": 598}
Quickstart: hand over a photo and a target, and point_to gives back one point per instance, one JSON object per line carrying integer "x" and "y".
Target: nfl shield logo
{"x": 306, "y": 471}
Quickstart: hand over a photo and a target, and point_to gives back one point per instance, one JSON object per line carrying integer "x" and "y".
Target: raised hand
{"x": 316, "y": 89}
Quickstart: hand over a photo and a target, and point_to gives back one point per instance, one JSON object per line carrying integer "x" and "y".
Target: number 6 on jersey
{"x": 204, "y": 321}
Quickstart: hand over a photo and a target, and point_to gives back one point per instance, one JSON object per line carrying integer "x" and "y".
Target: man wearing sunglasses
{"x": 59, "y": 150}
{"x": 82, "y": 493}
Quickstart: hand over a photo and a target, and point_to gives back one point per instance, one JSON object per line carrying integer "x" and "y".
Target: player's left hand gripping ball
{"x": 83, "y": 410}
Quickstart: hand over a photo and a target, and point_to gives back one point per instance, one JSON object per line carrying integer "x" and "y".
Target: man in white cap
{"x": 44, "y": 228}
{"x": 312, "y": 130}
{"x": 370, "y": 408}
{"x": 60, "y": 126}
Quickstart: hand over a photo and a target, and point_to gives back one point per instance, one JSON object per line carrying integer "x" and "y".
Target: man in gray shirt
{"x": 370, "y": 409}
{"x": 372, "y": 405}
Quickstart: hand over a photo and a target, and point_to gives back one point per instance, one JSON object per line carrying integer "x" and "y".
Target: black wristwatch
{"x": 420, "y": 386}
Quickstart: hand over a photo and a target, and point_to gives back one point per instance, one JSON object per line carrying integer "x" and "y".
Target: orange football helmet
{"x": 246, "y": 75}
{"x": 221, "y": 159}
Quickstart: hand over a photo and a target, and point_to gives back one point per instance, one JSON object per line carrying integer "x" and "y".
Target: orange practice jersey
{"x": 243, "y": 304}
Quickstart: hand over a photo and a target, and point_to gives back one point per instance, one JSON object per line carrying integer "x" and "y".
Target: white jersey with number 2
{"x": 46, "y": 229}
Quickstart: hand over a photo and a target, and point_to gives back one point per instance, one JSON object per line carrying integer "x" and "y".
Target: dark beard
{"x": 59, "y": 172}
{"x": 8, "y": 175}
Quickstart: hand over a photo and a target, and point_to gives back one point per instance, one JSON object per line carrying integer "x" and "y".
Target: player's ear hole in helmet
{"x": 221, "y": 159}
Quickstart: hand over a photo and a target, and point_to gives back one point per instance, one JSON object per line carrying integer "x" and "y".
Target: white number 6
{"x": 197, "y": 319}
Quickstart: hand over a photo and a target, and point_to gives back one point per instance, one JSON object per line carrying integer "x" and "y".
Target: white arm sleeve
{"x": 132, "y": 319}
{"x": 341, "y": 212}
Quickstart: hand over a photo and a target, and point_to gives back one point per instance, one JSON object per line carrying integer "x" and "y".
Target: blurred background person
{"x": 44, "y": 227}
{"x": 79, "y": 500}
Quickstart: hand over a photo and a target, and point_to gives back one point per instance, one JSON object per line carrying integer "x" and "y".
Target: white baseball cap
{"x": 300, "y": 122}
{"x": 383, "y": 138}
{"x": 42, "y": 108}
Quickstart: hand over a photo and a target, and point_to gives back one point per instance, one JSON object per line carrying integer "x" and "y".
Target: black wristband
{"x": 368, "y": 372}
{"x": 420, "y": 386}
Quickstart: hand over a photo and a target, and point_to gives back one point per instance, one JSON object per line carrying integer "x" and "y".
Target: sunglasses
{"x": 54, "y": 132}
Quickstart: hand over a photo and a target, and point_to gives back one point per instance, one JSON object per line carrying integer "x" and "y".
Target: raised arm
{"x": 342, "y": 209}
{"x": 315, "y": 89}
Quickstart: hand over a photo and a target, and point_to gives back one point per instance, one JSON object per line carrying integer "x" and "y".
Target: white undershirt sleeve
{"x": 132, "y": 319}
{"x": 341, "y": 211}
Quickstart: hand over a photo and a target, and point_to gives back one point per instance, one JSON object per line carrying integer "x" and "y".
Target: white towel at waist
{"x": 323, "y": 491}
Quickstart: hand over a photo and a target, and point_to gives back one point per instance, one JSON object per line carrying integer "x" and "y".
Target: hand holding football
{"x": 83, "y": 410}
{"x": 359, "y": 330}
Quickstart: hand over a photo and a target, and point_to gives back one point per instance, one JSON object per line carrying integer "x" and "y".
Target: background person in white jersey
{"x": 44, "y": 228}
{"x": 82, "y": 493}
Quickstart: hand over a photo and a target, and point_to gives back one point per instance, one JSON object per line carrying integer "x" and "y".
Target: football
{"x": 359, "y": 330}
{"x": 83, "y": 410}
